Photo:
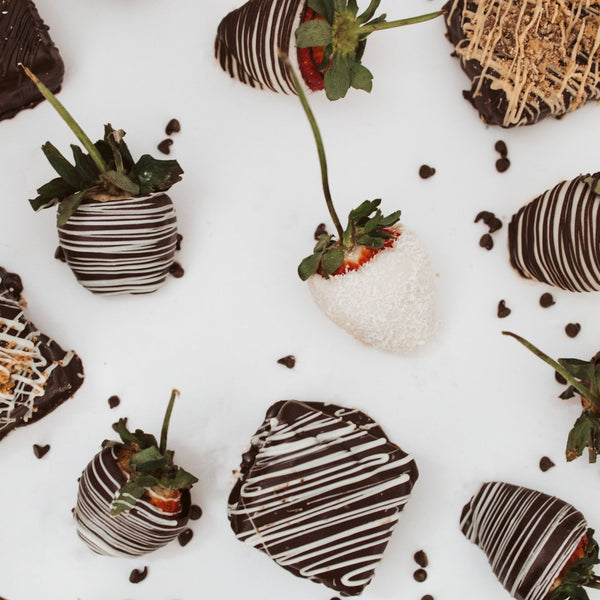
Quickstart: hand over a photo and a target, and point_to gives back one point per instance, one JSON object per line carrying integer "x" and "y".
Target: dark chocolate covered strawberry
{"x": 584, "y": 379}
{"x": 117, "y": 228}
{"x": 539, "y": 546}
{"x": 132, "y": 499}
{"x": 375, "y": 279}
{"x": 325, "y": 39}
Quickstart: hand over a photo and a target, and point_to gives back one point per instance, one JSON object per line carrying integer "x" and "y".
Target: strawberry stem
{"x": 367, "y": 29}
{"x": 320, "y": 148}
{"x": 68, "y": 119}
{"x": 583, "y": 390}
{"x": 165, "y": 427}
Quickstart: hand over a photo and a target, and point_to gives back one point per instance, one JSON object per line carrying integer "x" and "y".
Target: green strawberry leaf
{"x": 155, "y": 175}
{"x": 62, "y": 166}
{"x": 68, "y": 206}
{"x": 360, "y": 77}
{"x": 313, "y": 33}
{"x": 148, "y": 459}
{"x": 324, "y": 8}
{"x": 337, "y": 78}
{"x": 368, "y": 14}
{"x": 121, "y": 181}
{"x": 85, "y": 166}
{"x": 584, "y": 434}
{"x": 180, "y": 480}
{"x": 568, "y": 393}
{"x": 309, "y": 266}
{"x": 49, "y": 193}
{"x": 127, "y": 497}
{"x": 331, "y": 260}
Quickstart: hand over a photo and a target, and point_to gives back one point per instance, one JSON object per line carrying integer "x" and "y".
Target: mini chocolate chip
{"x": 420, "y": 575}
{"x": 425, "y": 172}
{"x": 545, "y": 464}
{"x": 421, "y": 558}
{"x": 546, "y": 300}
{"x": 195, "y": 512}
{"x": 59, "y": 254}
{"x": 176, "y": 270}
{"x": 502, "y": 165}
{"x": 486, "y": 241}
{"x": 165, "y": 146}
{"x": 114, "y": 401}
{"x": 320, "y": 230}
{"x": 173, "y": 126}
{"x": 494, "y": 224}
{"x": 185, "y": 537}
{"x": 485, "y": 216}
{"x": 427, "y": 597}
{"x": 288, "y": 361}
{"x": 13, "y": 283}
{"x": 503, "y": 310}
{"x": 572, "y": 329}
{"x": 500, "y": 147}
{"x": 560, "y": 378}
{"x": 41, "y": 451}
{"x": 178, "y": 243}
{"x": 136, "y": 575}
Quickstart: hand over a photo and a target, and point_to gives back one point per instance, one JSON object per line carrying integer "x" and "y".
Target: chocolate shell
{"x": 24, "y": 39}
{"x": 36, "y": 374}
{"x": 527, "y": 536}
{"x": 319, "y": 491}
{"x": 555, "y": 239}
{"x": 141, "y": 530}
{"x": 526, "y": 60}
{"x": 121, "y": 246}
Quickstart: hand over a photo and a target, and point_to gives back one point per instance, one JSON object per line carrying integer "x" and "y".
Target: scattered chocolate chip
{"x": 173, "y": 126}
{"x": 546, "y": 300}
{"x": 486, "y": 241}
{"x": 500, "y": 147}
{"x": 178, "y": 243}
{"x": 427, "y": 597}
{"x": 136, "y": 575}
{"x": 421, "y": 558}
{"x": 14, "y": 284}
{"x": 114, "y": 401}
{"x": 420, "y": 575}
{"x": 485, "y": 216}
{"x": 425, "y": 172}
{"x": 502, "y": 165}
{"x": 320, "y": 230}
{"x": 490, "y": 219}
{"x": 288, "y": 361}
{"x": 546, "y": 463}
{"x": 176, "y": 270}
{"x": 185, "y": 537}
{"x": 59, "y": 255}
{"x": 41, "y": 451}
{"x": 165, "y": 146}
{"x": 572, "y": 329}
{"x": 560, "y": 378}
{"x": 503, "y": 310}
{"x": 195, "y": 512}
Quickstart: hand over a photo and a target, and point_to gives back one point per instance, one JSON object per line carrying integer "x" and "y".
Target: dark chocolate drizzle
{"x": 555, "y": 238}
{"x": 527, "y": 536}
{"x": 24, "y": 39}
{"x": 36, "y": 374}
{"x": 320, "y": 491}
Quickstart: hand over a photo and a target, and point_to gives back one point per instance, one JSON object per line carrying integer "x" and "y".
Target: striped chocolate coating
{"x": 121, "y": 246}
{"x": 555, "y": 238}
{"x": 527, "y": 536}
{"x": 141, "y": 530}
{"x": 249, "y": 37}
{"x": 320, "y": 490}
{"x": 36, "y": 374}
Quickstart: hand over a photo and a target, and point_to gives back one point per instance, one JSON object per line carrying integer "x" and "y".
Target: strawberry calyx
{"x": 578, "y": 572}
{"x": 342, "y": 35}
{"x": 151, "y": 473}
{"x": 584, "y": 379}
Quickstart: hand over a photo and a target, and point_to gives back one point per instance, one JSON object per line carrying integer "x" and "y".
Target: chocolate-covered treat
{"x": 36, "y": 374}
{"x": 24, "y": 39}
{"x": 539, "y": 547}
{"x": 526, "y": 60}
{"x": 319, "y": 491}
{"x": 132, "y": 499}
{"x": 554, "y": 238}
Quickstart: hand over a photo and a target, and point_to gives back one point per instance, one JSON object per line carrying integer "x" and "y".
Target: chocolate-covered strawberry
{"x": 375, "y": 279}
{"x": 132, "y": 499}
{"x": 584, "y": 379}
{"x": 324, "y": 38}
{"x": 539, "y": 546}
{"x": 117, "y": 228}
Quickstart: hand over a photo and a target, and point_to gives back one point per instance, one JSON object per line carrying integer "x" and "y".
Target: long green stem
{"x": 165, "y": 427}
{"x": 320, "y": 149}
{"x": 366, "y": 29}
{"x": 69, "y": 120}
{"x": 582, "y": 389}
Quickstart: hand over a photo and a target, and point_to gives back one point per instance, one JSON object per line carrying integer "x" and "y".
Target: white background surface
{"x": 471, "y": 406}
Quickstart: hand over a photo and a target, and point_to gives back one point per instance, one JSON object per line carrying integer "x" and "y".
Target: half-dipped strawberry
{"x": 132, "y": 498}
{"x": 584, "y": 379}
{"x": 117, "y": 229}
{"x": 375, "y": 279}
{"x": 325, "y": 38}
